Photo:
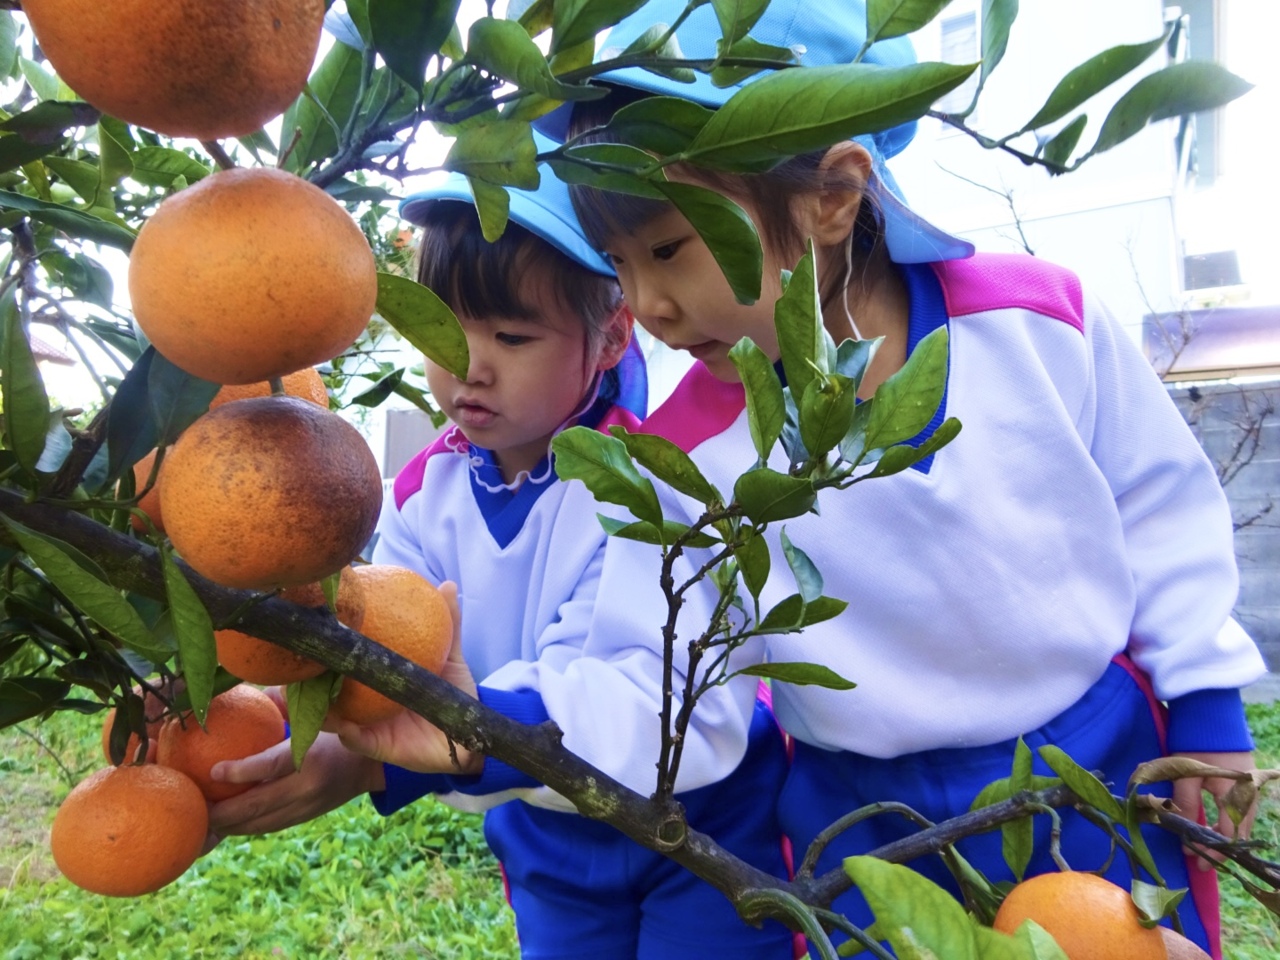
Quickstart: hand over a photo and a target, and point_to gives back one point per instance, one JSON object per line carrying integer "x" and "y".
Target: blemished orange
{"x": 404, "y": 613}
{"x": 1090, "y": 918}
{"x": 186, "y": 68}
{"x": 241, "y": 722}
{"x": 269, "y": 664}
{"x": 129, "y": 830}
{"x": 251, "y": 274}
{"x": 153, "y": 712}
{"x": 270, "y": 492}
{"x": 149, "y": 502}
{"x": 305, "y": 383}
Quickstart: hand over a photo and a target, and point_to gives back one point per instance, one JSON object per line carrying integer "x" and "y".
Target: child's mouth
{"x": 474, "y": 415}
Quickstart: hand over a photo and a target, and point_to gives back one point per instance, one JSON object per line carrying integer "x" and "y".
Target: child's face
{"x": 526, "y": 378}
{"x": 676, "y": 291}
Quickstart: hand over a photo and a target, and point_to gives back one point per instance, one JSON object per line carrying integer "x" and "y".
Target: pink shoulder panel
{"x": 409, "y": 480}
{"x": 1002, "y": 281}
{"x": 700, "y": 408}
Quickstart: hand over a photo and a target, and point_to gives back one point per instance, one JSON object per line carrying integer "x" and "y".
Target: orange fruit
{"x": 305, "y": 383}
{"x": 251, "y": 274}
{"x": 241, "y": 722}
{"x": 270, "y": 492}
{"x": 404, "y": 613}
{"x": 185, "y": 68}
{"x": 129, "y": 830}
{"x": 153, "y": 711}
{"x": 263, "y": 662}
{"x": 1090, "y": 918}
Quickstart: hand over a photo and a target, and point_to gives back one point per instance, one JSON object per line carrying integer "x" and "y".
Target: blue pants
{"x": 1111, "y": 729}
{"x": 580, "y": 889}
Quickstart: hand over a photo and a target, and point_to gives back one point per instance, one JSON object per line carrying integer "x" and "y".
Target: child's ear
{"x": 617, "y": 334}
{"x": 834, "y": 211}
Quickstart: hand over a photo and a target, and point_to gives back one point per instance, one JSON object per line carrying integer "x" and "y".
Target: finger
{"x": 211, "y": 840}
{"x": 277, "y": 696}
{"x": 275, "y": 761}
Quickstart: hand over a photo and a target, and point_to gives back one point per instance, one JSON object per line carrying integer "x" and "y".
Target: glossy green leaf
{"x": 797, "y": 317}
{"x": 381, "y": 389}
{"x": 25, "y": 402}
{"x": 307, "y": 130}
{"x": 1092, "y": 77}
{"x": 16, "y": 152}
{"x": 503, "y": 48}
{"x": 753, "y": 563}
{"x": 826, "y": 410}
{"x": 646, "y": 532}
{"x": 425, "y": 320}
{"x": 115, "y": 145}
{"x": 660, "y": 125}
{"x": 794, "y": 614}
{"x": 131, "y": 428}
{"x": 896, "y": 18}
{"x": 800, "y": 674}
{"x": 1083, "y": 783}
{"x": 348, "y": 191}
{"x": 997, "y": 19}
{"x": 27, "y": 697}
{"x": 407, "y": 33}
{"x": 81, "y": 226}
{"x": 574, "y": 22}
{"x": 668, "y": 463}
{"x": 1134, "y": 818}
{"x": 9, "y": 31}
{"x": 177, "y": 398}
{"x": 493, "y": 207}
{"x": 83, "y": 277}
{"x": 308, "y": 702}
{"x": 798, "y": 111}
{"x": 1179, "y": 89}
{"x": 766, "y": 495}
{"x": 84, "y": 178}
{"x": 161, "y": 166}
{"x": 766, "y": 404}
{"x": 197, "y": 651}
{"x": 906, "y": 402}
{"x": 901, "y": 457}
{"x": 100, "y": 602}
{"x": 738, "y": 16}
{"x": 917, "y": 917}
{"x": 502, "y": 153}
{"x": 854, "y": 356}
{"x": 607, "y": 166}
{"x": 1059, "y": 149}
{"x": 602, "y": 463}
{"x": 1029, "y": 942}
{"x": 747, "y": 48}
{"x": 726, "y": 230}
{"x": 808, "y": 578}
{"x": 1154, "y": 902}
{"x": 43, "y": 83}
{"x": 669, "y": 49}
{"x": 1018, "y": 836}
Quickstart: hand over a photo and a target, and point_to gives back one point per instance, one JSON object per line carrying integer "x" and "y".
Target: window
{"x": 960, "y": 45}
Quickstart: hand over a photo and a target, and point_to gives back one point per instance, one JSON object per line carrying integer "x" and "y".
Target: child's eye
{"x": 666, "y": 251}
{"x": 512, "y": 339}
{"x": 613, "y": 258}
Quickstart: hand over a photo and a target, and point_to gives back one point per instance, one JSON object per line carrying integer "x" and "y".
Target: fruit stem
{"x": 277, "y": 387}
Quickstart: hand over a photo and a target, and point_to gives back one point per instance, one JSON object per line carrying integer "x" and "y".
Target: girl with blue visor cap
{"x": 1063, "y": 572}
{"x": 481, "y": 506}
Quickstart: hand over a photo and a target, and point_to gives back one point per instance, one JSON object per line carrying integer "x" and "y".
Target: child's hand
{"x": 1190, "y": 801}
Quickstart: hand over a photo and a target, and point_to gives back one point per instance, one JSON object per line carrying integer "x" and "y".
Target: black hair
{"x": 481, "y": 280}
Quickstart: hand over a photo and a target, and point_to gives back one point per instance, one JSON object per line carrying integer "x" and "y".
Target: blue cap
{"x": 545, "y": 212}
{"x": 818, "y": 34}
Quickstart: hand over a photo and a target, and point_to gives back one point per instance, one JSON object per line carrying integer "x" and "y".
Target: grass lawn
{"x": 351, "y": 884}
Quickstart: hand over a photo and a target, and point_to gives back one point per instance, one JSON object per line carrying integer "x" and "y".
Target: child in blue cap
{"x": 1063, "y": 572}
{"x": 550, "y": 347}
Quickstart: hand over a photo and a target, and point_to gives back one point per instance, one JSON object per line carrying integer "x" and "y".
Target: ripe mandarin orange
{"x": 153, "y": 711}
{"x": 241, "y": 722}
{"x": 185, "y": 68}
{"x": 305, "y": 383}
{"x": 1090, "y": 918}
{"x": 270, "y": 492}
{"x": 262, "y": 662}
{"x": 251, "y": 274}
{"x": 129, "y": 830}
{"x": 404, "y": 613}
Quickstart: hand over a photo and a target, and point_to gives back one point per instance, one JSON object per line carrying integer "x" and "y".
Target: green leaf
{"x": 78, "y": 225}
{"x": 16, "y": 152}
{"x": 1154, "y": 902}
{"x": 917, "y": 917}
{"x": 84, "y": 278}
{"x": 330, "y": 98}
{"x": 896, "y": 18}
{"x": 308, "y": 703}
{"x": 493, "y": 206}
{"x": 738, "y": 16}
{"x": 797, "y": 111}
{"x": 800, "y": 674}
{"x": 22, "y": 394}
{"x": 177, "y": 398}
{"x": 794, "y": 614}
{"x": 797, "y": 317}
{"x": 997, "y": 18}
{"x": 1092, "y": 77}
{"x": 854, "y": 356}
{"x": 381, "y": 389}
{"x": 660, "y": 125}
{"x": 669, "y": 464}
{"x": 1083, "y": 783}
{"x": 197, "y": 650}
{"x": 808, "y": 578}
{"x": 131, "y": 428}
{"x": 47, "y": 121}
{"x": 1179, "y": 89}
{"x": 647, "y": 533}
{"x": 9, "y": 31}
{"x": 746, "y": 48}
{"x": 906, "y": 402}
{"x": 826, "y": 410}
{"x": 726, "y": 230}
{"x": 44, "y": 84}
{"x": 407, "y": 33}
{"x": 900, "y": 457}
{"x": 503, "y": 153}
{"x": 115, "y": 144}
{"x": 766, "y": 495}
{"x": 505, "y": 49}
{"x": 766, "y": 403}
{"x": 575, "y": 22}
{"x": 583, "y": 165}
{"x": 602, "y": 463}
{"x": 668, "y": 50}
{"x": 28, "y": 697}
{"x": 84, "y": 178}
{"x": 1059, "y": 149}
{"x": 754, "y": 563}
{"x": 161, "y": 166}
{"x": 425, "y": 320}
{"x": 1029, "y": 942}
{"x": 1134, "y": 817}
{"x": 1018, "y": 836}
{"x": 100, "y": 602}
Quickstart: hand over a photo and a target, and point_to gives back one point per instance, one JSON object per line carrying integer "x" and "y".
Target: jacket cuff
{"x": 1209, "y": 721}
{"x": 403, "y": 787}
{"x": 523, "y": 706}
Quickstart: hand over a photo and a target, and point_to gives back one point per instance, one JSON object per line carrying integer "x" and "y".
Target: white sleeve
{"x": 398, "y": 543}
{"x": 1176, "y": 522}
